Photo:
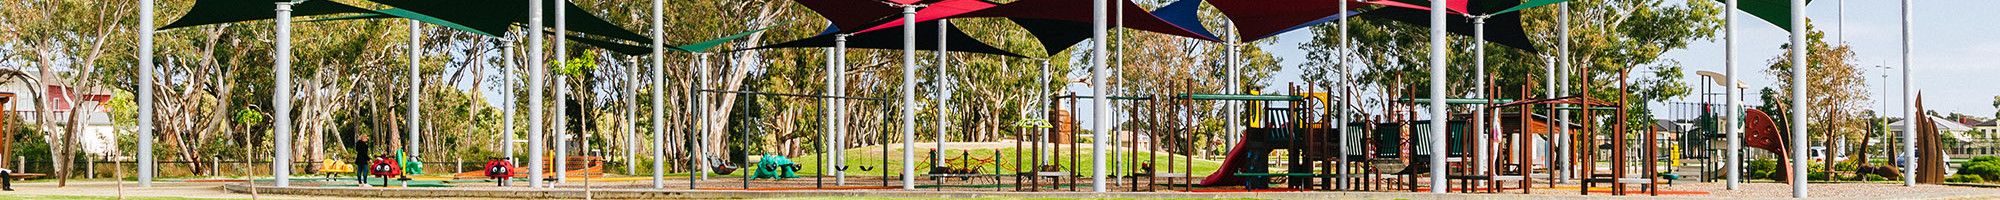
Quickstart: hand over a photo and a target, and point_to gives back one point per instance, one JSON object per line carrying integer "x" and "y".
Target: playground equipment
{"x": 773, "y": 166}
{"x": 1135, "y": 167}
{"x": 500, "y": 170}
{"x": 778, "y": 167}
{"x": 1298, "y": 128}
{"x": 1043, "y": 162}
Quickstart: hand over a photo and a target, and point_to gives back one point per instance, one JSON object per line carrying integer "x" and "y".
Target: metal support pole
{"x": 562, "y": 95}
{"x": 1100, "y": 105}
{"x": 1232, "y": 110}
{"x": 1909, "y": 106}
{"x": 507, "y": 106}
{"x": 535, "y": 72}
{"x": 942, "y": 72}
{"x": 1437, "y": 107}
{"x": 703, "y": 125}
{"x": 1559, "y": 141}
{"x": 281, "y": 98}
{"x": 145, "y": 82}
{"x": 411, "y": 122}
{"x": 909, "y": 96}
{"x": 1345, "y": 51}
{"x": 840, "y": 108}
{"x": 1798, "y": 119}
{"x": 631, "y": 112}
{"x": 1733, "y": 125}
{"x": 659, "y": 95}
{"x": 1479, "y": 90}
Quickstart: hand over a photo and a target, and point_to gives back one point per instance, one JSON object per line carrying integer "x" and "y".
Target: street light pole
{"x": 1798, "y": 118}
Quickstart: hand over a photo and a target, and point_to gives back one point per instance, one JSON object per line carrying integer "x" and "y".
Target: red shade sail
{"x": 934, "y": 11}
{"x": 1258, "y": 19}
{"x": 1135, "y": 17}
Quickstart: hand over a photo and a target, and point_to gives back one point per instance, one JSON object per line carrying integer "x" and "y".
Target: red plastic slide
{"x": 1226, "y": 174}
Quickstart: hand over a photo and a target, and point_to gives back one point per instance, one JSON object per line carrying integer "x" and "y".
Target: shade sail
{"x": 926, "y": 37}
{"x": 1054, "y": 35}
{"x": 934, "y": 11}
{"x": 1504, "y": 28}
{"x": 704, "y": 46}
{"x": 206, "y": 12}
{"x": 496, "y": 16}
{"x": 1070, "y": 10}
{"x": 1184, "y": 14}
{"x": 407, "y": 14}
{"x": 1531, "y": 4}
{"x": 615, "y": 47}
{"x": 1778, "y": 12}
{"x": 1258, "y": 19}
{"x": 852, "y": 14}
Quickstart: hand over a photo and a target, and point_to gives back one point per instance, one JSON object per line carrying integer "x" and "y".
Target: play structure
{"x": 1300, "y": 128}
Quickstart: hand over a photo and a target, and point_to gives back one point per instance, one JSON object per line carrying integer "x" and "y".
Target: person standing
{"x": 358, "y": 143}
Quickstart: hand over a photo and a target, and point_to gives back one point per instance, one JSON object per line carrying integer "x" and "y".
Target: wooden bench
{"x": 25, "y": 176}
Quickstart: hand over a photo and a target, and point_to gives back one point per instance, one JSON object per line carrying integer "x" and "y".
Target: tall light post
{"x": 1798, "y": 118}
{"x": 1909, "y": 106}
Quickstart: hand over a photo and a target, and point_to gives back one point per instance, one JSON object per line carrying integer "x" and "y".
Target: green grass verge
{"x": 871, "y": 156}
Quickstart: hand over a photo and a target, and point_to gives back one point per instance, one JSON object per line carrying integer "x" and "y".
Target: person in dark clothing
{"x": 361, "y": 159}
{"x": 358, "y": 143}
{"x": 6, "y": 179}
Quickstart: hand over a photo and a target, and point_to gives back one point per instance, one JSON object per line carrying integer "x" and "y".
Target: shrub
{"x": 1844, "y": 166}
{"x": 1760, "y": 168}
{"x": 1873, "y": 177}
{"x": 1985, "y": 167}
{"x": 1964, "y": 178}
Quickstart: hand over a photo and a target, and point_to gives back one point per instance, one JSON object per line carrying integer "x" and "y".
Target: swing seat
{"x": 724, "y": 169}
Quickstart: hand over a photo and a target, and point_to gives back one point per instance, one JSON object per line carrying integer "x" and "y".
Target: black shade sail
{"x": 1504, "y": 29}
{"x": 496, "y": 16}
{"x": 926, "y": 38}
{"x": 206, "y": 12}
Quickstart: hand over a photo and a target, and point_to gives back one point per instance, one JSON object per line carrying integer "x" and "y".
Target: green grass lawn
{"x": 871, "y": 156}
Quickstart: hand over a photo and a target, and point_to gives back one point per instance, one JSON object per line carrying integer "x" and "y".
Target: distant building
{"x": 96, "y": 132}
{"x": 1960, "y": 138}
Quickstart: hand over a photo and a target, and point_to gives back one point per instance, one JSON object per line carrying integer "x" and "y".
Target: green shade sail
{"x": 1530, "y": 4}
{"x": 706, "y": 45}
{"x": 1778, "y": 12}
